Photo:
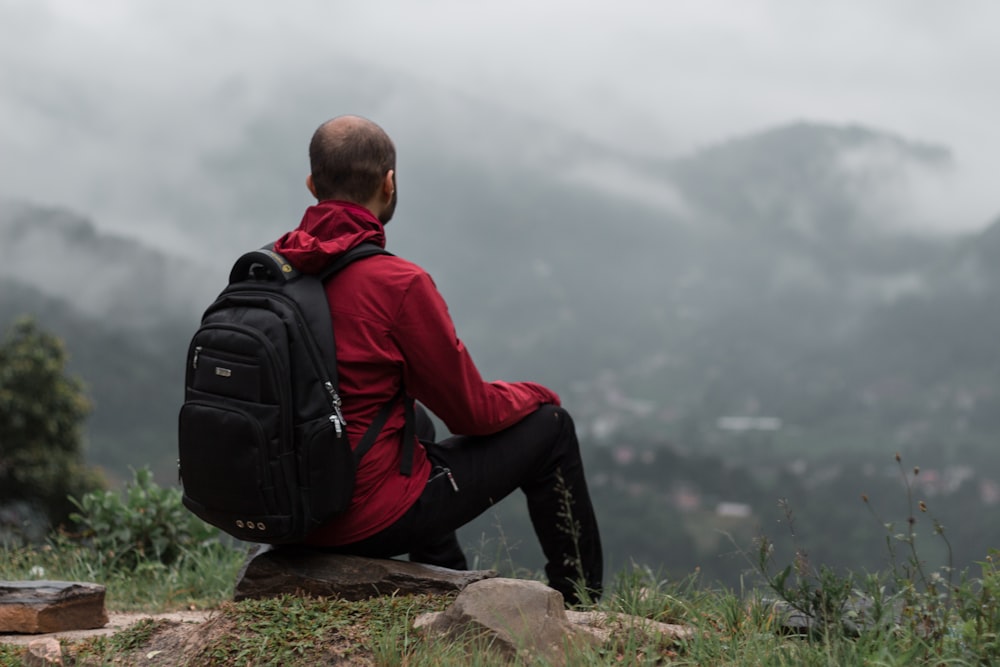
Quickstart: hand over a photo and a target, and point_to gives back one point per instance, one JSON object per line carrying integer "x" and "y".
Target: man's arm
{"x": 440, "y": 373}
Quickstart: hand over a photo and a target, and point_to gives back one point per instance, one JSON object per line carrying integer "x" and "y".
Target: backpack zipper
{"x": 338, "y": 417}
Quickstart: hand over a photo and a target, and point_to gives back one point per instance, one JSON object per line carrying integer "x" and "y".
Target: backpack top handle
{"x": 263, "y": 265}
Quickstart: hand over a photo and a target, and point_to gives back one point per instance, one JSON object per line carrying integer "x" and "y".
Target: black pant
{"x": 541, "y": 456}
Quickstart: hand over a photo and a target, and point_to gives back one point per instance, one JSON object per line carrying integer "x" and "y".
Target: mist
{"x": 109, "y": 104}
{"x": 671, "y": 213}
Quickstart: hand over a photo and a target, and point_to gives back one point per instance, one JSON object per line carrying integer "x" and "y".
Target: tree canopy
{"x": 42, "y": 411}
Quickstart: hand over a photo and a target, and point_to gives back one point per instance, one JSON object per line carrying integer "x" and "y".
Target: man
{"x": 392, "y": 331}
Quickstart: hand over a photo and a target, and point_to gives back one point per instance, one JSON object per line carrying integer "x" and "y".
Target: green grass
{"x": 198, "y": 579}
{"x": 914, "y": 625}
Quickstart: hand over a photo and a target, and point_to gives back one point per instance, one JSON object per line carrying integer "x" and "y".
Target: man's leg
{"x": 443, "y": 552}
{"x": 539, "y": 455}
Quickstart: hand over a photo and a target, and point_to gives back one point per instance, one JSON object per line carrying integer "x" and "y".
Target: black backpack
{"x": 263, "y": 450}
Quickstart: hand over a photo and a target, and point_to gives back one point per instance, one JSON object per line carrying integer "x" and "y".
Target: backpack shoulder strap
{"x": 359, "y": 251}
{"x": 310, "y": 293}
{"x": 368, "y": 439}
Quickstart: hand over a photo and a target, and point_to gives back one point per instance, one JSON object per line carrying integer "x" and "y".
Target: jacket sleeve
{"x": 439, "y": 372}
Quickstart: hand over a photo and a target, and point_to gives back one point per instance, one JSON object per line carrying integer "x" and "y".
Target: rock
{"x": 43, "y": 653}
{"x": 297, "y": 571}
{"x": 526, "y": 619}
{"x": 615, "y": 629}
{"x": 37, "y": 607}
{"x": 858, "y": 614}
{"x": 518, "y": 618}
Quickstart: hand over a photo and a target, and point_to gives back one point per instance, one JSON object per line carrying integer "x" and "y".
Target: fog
{"x": 107, "y": 102}
{"x": 762, "y": 164}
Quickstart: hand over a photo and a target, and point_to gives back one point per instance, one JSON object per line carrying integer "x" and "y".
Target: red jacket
{"x": 391, "y": 326}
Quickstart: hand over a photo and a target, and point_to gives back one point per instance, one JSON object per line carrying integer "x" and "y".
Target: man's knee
{"x": 555, "y": 412}
{"x": 557, "y": 424}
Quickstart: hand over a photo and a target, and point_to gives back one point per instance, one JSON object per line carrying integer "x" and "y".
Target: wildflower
{"x": 37, "y": 572}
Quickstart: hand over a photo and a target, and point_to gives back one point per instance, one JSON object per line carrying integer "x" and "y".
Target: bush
{"x": 42, "y": 410}
{"x": 145, "y": 523}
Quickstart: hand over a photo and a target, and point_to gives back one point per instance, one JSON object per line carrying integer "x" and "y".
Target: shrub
{"x": 144, "y": 523}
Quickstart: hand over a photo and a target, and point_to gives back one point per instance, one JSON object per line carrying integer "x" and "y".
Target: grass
{"x": 909, "y": 615}
{"x": 199, "y": 579}
{"x": 730, "y": 628}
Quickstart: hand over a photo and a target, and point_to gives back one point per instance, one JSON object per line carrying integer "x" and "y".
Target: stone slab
{"x": 271, "y": 572}
{"x": 38, "y": 607}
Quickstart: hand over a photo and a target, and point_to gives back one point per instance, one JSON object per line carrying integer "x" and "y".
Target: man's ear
{"x": 311, "y": 186}
{"x": 389, "y": 184}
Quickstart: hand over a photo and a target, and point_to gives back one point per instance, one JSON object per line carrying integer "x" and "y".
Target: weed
{"x": 498, "y": 554}
{"x": 571, "y": 527}
{"x": 922, "y": 613}
{"x": 817, "y": 597}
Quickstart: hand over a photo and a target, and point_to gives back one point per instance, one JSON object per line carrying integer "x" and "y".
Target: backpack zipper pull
{"x": 336, "y": 425}
{"x": 338, "y": 417}
{"x": 194, "y": 361}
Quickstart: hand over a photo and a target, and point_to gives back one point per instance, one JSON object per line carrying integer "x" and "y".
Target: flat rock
{"x": 298, "y": 571}
{"x": 37, "y": 607}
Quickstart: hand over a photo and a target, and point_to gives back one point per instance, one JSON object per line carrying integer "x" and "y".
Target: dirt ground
{"x": 178, "y": 640}
{"x": 117, "y": 621}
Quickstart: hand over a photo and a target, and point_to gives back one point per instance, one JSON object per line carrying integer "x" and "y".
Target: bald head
{"x": 350, "y": 157}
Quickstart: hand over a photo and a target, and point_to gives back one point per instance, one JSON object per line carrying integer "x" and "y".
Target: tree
{"x": 42, "y": 411}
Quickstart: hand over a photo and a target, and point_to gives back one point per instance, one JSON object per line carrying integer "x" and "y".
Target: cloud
{"x": 111, "y": 98}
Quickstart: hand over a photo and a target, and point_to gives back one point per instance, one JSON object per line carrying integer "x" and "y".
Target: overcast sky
{"x": 82, "y": 82}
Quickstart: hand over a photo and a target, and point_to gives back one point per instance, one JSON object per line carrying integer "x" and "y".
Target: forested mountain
{"x": 774, "y": 277}
{"x": 753, "y": 281}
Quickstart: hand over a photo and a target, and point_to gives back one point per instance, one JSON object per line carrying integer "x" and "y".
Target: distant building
{"x": 733, "y": 510}
{"x": 739, "y": 424}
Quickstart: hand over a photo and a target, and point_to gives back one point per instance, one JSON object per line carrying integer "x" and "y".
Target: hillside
{"x": 755, "y": 281}
{"x": 772, "y": 277}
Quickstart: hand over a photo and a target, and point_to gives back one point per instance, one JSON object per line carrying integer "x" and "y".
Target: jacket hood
{"x": 327, "y": 229}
